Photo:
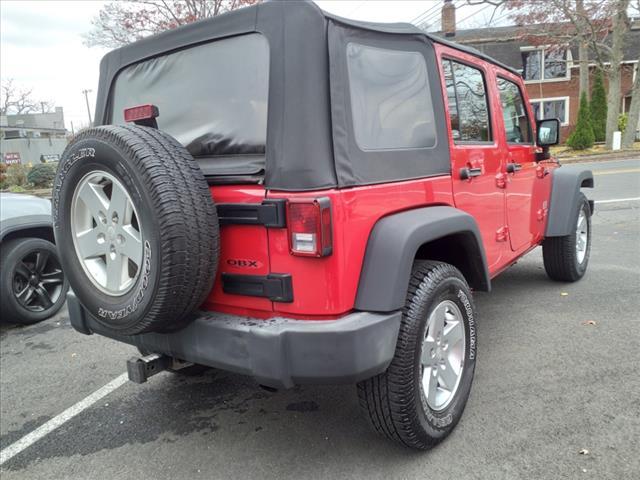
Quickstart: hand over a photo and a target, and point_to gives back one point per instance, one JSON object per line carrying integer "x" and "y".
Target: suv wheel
{"x": 32, "y": 285}
{"x": 566, "y": 258}
{"x": 420, "y": 398}
{"x": 137, "y": 228}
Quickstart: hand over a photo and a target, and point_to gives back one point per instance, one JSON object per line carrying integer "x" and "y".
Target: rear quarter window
{"x": 390, "y": 98}
{"x": 212, "y": 97}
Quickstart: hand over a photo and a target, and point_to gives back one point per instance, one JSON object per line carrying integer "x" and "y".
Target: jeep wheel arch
{"x": 396, "y": 240}
{"x": 565, "y": 197}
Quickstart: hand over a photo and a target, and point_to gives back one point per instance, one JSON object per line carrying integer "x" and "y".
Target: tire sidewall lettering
{"x": 79, "y": 161}
{"x": 442, "y": 420}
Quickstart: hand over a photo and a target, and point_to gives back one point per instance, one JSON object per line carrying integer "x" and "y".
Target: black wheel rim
{"x": 38, "y": 281}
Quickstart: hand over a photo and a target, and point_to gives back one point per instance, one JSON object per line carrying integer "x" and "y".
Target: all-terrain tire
{"x": 178, "y": 224}
{"x": 394, "y": 401}
{"x": 562, "y": 261}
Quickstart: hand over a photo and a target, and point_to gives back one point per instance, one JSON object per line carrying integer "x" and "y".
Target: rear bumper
{"x": 278, "y": 352}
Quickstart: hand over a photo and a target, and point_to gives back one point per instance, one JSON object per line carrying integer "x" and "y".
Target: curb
{"x": 601, "y": 157}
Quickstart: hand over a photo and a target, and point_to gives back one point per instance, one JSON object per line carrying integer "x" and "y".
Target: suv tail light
{"x": 142, "y": 115}
{"x": 309, "y": 224}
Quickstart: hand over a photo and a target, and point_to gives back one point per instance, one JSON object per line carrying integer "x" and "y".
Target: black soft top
{"x": 307, "y": 128}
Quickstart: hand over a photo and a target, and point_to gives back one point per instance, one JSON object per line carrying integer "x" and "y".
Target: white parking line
{"x": 618, "y": 200}
{"x": 59, "y": 420}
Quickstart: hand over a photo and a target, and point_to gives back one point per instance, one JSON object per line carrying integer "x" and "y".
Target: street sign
{"x": 51, "y": 157}
{"x": 11, "y": 158}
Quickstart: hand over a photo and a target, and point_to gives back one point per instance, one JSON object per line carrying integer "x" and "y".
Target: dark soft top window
{"x": 212, "y": 97}
{"x": 390, "y": 98}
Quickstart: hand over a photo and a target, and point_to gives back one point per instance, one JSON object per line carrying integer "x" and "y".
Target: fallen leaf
{"x": 589, "y": 322}
{"x": 584, "y": 451}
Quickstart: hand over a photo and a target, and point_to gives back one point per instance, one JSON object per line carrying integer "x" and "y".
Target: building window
{"x": 552, "y": 108}
{"x": 542, "y": 64}
{"x": 467, "y": 100}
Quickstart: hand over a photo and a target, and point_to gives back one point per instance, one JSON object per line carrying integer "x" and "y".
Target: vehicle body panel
{"x": 22, "y": 212}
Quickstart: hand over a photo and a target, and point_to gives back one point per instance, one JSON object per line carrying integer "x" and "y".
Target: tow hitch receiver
{"x": 140, "y": 369}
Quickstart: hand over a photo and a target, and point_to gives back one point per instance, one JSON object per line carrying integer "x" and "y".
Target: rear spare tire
{"x": 136, "y": 227}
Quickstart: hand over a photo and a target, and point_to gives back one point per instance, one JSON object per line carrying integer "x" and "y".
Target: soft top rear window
{"x": 212, "y": 97}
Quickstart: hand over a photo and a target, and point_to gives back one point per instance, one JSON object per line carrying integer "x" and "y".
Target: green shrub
{"x": 16, "y": 189}
{"x": 17, "y": 175}
{"x": 3, "y": 176}
{"x": 42, "y": 175}
{"x": 598, "y": 108}
{"x": 582, "y": 137}
{"x": 623, "y": 119}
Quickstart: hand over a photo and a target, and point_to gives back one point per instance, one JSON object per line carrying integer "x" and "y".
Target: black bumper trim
{"x": 277, "y": 287}
{"x": 270, "y": 213}
{"x": 278, "y": 352}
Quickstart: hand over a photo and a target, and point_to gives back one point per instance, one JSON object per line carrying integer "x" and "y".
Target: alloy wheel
{"x": 37, "y": 281}
{"x": 107, "y": 234}
{"x": 442, "y": 355}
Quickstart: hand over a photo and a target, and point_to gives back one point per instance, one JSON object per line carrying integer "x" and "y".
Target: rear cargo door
{"x": 244, "y": 248}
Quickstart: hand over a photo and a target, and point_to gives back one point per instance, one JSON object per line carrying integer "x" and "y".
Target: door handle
{"x": 513, "y": 167}
{"x": 468, "y": 173}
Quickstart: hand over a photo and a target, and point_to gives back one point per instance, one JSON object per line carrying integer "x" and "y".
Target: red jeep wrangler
{"x": 366, "y": 177}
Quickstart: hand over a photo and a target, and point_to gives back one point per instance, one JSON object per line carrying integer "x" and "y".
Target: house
{"x": 33, "y": 137}
{"x": 551, "y": 75}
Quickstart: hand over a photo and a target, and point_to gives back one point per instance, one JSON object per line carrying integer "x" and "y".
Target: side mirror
{"x": 548, "y": 133}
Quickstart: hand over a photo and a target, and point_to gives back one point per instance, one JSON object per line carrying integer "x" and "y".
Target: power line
{"x": 420, "y": 18}
{"x": 435, "y": 17}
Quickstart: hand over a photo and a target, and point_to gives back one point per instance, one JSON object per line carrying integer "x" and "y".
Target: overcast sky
{"x": 41, "y": 42}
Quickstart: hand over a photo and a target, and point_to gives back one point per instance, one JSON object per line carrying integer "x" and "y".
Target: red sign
{"x": 12, "y": 157}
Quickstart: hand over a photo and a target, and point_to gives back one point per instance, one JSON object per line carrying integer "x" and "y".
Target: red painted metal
{"x": 510, "y": 209}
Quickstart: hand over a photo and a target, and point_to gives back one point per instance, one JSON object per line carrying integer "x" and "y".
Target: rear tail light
{"x": 309, "y": 224}
{"x": 141, "y": 114}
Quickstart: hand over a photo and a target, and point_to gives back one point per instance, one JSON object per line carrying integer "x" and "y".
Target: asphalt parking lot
{"x": 557, "y": 374}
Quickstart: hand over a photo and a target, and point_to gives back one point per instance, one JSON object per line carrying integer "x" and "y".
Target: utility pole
{"x": 86, "y": 99}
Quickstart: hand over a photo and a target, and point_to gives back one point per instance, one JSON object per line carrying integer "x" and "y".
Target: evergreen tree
{"x": 582, "y": 137}
{"x": 599, "y": 107}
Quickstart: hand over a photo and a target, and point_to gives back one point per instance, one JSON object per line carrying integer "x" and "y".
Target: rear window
{"x": 390, "y": 98}
{"x": 212, "y": 98}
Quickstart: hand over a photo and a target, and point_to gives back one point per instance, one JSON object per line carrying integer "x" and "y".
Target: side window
{"x": 390, "y": 99}
{"x": 516, "y": 121}
{"x": 467, "y": 99}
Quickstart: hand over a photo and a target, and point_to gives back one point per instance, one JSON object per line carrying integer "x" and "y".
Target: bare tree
{"x": 16, "y": 100}
{"x": 619, "y": 29}
{"x": 121, "y": 22}
{"x": 585, "y": 24}
{"x": 629, "y": 135}
{"x": 634, "y": 109}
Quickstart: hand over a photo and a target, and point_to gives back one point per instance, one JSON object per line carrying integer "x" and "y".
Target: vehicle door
{"x": 520, "y": 163}
{"x": 476, "y": 160}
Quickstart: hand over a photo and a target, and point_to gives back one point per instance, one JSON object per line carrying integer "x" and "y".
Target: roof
{"x": 35, "y": 121}
{"x": 254, "y": 11}
{"x": 408, "y": 28}
{"x": 503, "y": 43}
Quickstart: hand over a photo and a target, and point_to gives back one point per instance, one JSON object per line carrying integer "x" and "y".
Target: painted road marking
{"x": 613, "y": 172}
{"x": 40, "y": 432}
{"x": 59, "y": 420}
{"x": 618, "y": 200}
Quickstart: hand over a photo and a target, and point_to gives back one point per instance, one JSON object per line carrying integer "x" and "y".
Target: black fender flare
{"x": 392, "y": 247}
{"x": 565, "y": 194}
